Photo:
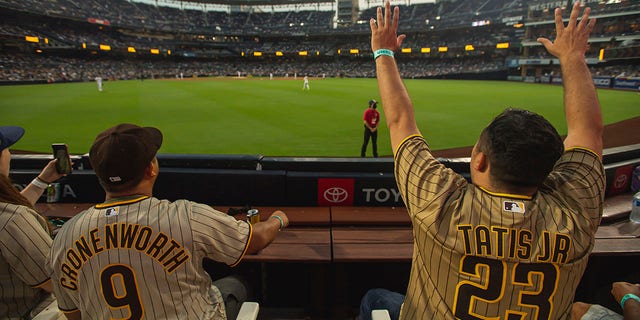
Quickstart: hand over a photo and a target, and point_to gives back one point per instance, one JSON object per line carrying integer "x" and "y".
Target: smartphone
{"x": 61, "y": 152}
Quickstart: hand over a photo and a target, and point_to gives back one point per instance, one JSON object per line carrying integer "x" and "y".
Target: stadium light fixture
{"x": 406, "y": 50}
{"x": 84, "y": 45}
{"x": 601, "y": 55}
{"x": 32, "y": 39}
{"x": 354, "y": 51}
{"x": 443, "y": 49}
{"x": 425, "y": 50}
{"x": 131, "y": 49}
{"x": 279, "y": 54}
{"x": 502, "y": 45}
{"x": 46, "y": 40}
{"x": 154, "y": 51}
{"x": 303, "y": 53}
{"x": 105, "y": 47}
{"x": 257, "y": 54}
{"x": 469, "y": 47}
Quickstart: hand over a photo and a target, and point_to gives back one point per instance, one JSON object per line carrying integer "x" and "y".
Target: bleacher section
{"x": 199, "y": 43}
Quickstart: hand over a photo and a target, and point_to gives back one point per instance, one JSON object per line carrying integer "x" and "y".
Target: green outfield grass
{"x": 274, "y": 117}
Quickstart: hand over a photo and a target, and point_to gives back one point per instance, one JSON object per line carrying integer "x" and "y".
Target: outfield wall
{"x": 255, "y": 180}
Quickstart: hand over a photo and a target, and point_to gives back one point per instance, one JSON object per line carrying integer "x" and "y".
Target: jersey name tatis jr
{"x": 163, "y": 249}
{"x": 501, "y": 242}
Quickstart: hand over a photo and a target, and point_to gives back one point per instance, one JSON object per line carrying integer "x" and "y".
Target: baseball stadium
{"x": 260, "y": 106}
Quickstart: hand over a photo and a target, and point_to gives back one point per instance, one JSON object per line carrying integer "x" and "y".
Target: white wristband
{"x": 39, "y": 183}
{"x": 279, "y": 219}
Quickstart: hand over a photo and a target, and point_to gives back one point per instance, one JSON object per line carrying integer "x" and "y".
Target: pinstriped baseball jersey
{"x": 24, "y": 247}
{"x": 480, "y": 255}
{"x": 141, "y": 257}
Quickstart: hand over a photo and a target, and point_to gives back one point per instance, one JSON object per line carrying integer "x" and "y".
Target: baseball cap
{"x": 10, "y": 135}
{"x": 372, "y": 101}
{"x": 120, "y": 154}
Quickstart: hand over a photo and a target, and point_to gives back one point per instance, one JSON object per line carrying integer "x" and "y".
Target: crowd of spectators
{"x": 22, "y": 67}
{"x": 244, "y": 33}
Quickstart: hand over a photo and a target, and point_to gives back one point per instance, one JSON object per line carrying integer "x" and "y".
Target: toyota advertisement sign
{"x": 378, "y": 190}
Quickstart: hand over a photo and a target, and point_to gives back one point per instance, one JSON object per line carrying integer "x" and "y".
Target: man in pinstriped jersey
{"x": 514, "y": 243}
{"x": 135, "y": 256}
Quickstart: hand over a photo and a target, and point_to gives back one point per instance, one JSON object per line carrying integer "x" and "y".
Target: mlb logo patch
{"x": 111, "y": 212}
{"x": 513, "y": 206}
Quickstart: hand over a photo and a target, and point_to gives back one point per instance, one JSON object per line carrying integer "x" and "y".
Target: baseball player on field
{"x": 135, "y": 256}
{"x": 25, "y": 241}
{"x": 514, "y": 243}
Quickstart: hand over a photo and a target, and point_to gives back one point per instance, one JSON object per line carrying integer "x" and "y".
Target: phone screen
{"x": 61, "y": 152}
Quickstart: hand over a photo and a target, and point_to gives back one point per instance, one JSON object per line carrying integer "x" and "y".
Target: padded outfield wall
{"x": 254, "y": 180}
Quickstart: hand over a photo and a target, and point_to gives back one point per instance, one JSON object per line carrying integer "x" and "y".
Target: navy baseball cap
{"x": 10, "y": 135}
{"x": 121, "y": 153}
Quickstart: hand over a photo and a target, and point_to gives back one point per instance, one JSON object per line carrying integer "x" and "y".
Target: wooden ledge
{"x": 383, "y": 216}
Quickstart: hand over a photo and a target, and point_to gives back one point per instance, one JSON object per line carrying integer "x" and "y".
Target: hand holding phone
{"x": 61, "y": 153}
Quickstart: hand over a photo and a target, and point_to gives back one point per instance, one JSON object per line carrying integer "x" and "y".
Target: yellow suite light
{"x": 443, "y": 49}
{"x": 279, "y": 54}
{"x": 502, "y": 45}
{"x": 154, "y": 51}
{"x": 32, "y": 39}
{"x": 131, "y": 49}
{"x": 425, "y": 50}
{"x": 406, "y": 50}
{"x": 354, "y": 51}
{"x": 257, "y": 54}
{"x": 469, "y": 47}
{"x": 303, "y": 53}
{"x": 105, "y": 47}
{"x": 601, "y": 56}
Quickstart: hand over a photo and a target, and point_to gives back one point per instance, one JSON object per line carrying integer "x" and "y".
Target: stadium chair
{"x": 248, "y": 311}
{"x": 381, "y": 314}
{"x": 50, "y": 312}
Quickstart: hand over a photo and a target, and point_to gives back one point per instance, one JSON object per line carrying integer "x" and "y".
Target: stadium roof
{"x": 257, "y": 2}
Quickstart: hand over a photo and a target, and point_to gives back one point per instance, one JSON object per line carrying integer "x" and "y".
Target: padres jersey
{"x": 141, "y": 257}
{"x": 482, "y": 255}
{"x": 24, "y": 247}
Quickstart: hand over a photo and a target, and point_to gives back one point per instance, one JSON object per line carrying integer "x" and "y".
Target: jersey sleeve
{"x": 218, "y": 236}
{"x": 423, "y": 182}
{"x": 578, "y": 177}
{"x": 25, "y": 245}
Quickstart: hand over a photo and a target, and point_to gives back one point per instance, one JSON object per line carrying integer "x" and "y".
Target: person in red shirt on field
{"x": 371, "y": 118}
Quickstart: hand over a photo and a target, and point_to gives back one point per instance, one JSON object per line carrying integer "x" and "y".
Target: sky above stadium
{"x": 327, "y": 6}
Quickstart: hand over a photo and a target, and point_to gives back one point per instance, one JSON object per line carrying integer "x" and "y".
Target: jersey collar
{"x": 121, "y": 201}
{"x": 506, "y": 195}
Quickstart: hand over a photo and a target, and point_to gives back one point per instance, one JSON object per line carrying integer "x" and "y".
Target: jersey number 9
{"x": 120, "y": 290}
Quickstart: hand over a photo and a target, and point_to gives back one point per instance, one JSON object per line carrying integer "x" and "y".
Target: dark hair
{"x": 521, "y": 147}
{"x": 10, "y": 194}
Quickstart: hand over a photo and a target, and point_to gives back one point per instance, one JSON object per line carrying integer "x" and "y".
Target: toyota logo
{"x": 335, "y": 195}
{"x": 620, "y": 181}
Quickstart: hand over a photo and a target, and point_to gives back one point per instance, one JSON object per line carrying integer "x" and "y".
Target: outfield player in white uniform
{"x": 514, "y": 243}
{"x": 305, "y": 84}
{"x": 136, "y": 256}
{"x": 25, "y": 241}
{"x": 99, "y": 83}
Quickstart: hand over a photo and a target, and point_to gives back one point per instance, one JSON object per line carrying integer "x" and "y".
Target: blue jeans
{"x": 376, "y": 299}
